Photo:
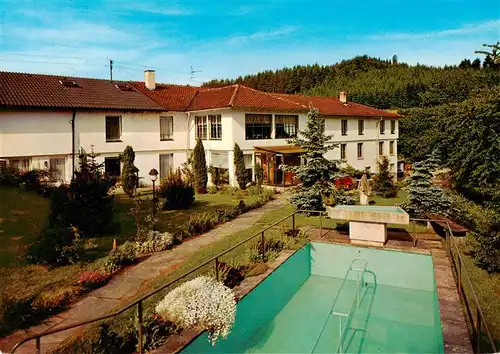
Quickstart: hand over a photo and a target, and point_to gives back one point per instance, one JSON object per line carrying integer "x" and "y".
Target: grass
{"x": 22, "y": 216}
{"x": 487, "y": 289}
{"x": 400, "y": 198}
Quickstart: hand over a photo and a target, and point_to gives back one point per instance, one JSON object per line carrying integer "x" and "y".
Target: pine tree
{"x": 318, "y": 173}
{"x": 129, "y": 171}
{"x": 383, "y": 182}
{"x": 239, "y": 164}
{"x": 200, "y": 167}
{"x": 424, "y": 197}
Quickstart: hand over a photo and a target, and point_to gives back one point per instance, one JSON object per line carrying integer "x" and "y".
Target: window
{"x": 360, "y": 150}
{"x": 112, "y": 166}
{"x": 361, "y": 127}
{"x": 22, "y": 165}
{"x": 381, "y": 148}
{"x": 201, "y": 127}
{"x": 344, "y": 126}
{"x": 258, "y": 126}
{"x": 382, "y": 126}
{"x": 166, "y": 165}
{"x": 166, "y": 128}
{"x": 391, "y": 148}
{"x": 393, "y": 127}
{"x": 68, "y": 83}
{"x": 219, "y": 159}
{"x": 57, "y": 168}
{"x": 286, "y": 126}
{"x": 215, "y": 127}
{"x": 343, "y": 154}
{"x": 113, "y": 128}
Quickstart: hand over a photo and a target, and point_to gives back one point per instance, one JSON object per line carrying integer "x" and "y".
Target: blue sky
{"x": 229, "y": 38}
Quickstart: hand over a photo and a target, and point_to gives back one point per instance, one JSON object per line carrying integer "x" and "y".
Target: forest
{"x": 452, "y": 109}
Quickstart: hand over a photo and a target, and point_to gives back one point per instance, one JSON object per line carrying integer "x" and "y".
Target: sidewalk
{"x": 124, "y": 286}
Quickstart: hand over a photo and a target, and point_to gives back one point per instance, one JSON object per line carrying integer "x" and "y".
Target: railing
{"x": 481, "y": 337}
{"x": 139, "y": 303}
{"x": 477, "y": 323}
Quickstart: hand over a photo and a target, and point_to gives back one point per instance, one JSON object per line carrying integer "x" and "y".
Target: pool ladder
{"x": 358, "y": 266}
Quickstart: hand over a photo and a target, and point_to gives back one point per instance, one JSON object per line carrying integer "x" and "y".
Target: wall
{"x": 393, "y": 268}
{"x": 261, "y": 305}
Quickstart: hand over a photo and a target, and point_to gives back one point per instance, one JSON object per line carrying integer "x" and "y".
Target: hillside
{"x": 380, "y": 83}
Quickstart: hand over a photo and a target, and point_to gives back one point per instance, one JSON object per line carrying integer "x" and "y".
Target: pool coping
{"x": 175, "y": 343}
{"x": 456, "y": 337}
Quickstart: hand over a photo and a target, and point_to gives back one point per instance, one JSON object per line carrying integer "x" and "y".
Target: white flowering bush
{"x": 156, "y": 241}
{"x": 201, "y": 303}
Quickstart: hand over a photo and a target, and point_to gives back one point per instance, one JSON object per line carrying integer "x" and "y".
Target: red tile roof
{"x": 171, "y": 97}
{"x": 35, "y": 90}
{"x": 242, "y": 97}
{"x": 330, "y": 106}
{"x": 45, "y": 91}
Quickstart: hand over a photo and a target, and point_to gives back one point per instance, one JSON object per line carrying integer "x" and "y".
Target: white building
{"x": 46, "y": 119}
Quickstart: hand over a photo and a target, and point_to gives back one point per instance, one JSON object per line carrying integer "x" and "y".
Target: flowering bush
{"x": 93, "y": 279}
{"x": 202, "y": 303}
{"x": 122, "y": 256}
{"x": 156, "y": 241}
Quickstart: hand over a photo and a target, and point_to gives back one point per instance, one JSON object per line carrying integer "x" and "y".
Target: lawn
{"x": 487, "y": 288}
{"x": 23, "y": 214}
{"x": 400, "y": 198}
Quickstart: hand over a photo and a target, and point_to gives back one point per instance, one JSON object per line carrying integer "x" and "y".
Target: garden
{"x": 51, "y": 258}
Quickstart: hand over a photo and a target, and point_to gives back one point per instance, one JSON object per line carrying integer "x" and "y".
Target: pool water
{"x": 290, "y": 311}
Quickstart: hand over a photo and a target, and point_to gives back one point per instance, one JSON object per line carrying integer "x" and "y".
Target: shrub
{"x": 58, "y": 245}
{"x": 177, "y": 193}
{"x": 9, "y": 176}
{"x": 199, "y": 223}
{"x": 259, "y": 176}
{"x": 200, "y": 168}
{"x": 201, "y": 303}
{"x": 239, "y": 164}
{"x": 156, "y": 241}
{"x": 142, "y": 211}
{"x": 120, "y": 257}
{"x": 384, "y": 185}
{"x": 93, "y": 279}
{"x": 212, "y": 189}
{"x": 229, "y": 275}
{"x": 256, "y": 269}
{"x": 129, "y": 171}
{"x": 218, "y": 176}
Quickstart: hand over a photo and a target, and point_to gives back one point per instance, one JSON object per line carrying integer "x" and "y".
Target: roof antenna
{"x": 111, "y": 69}
{"x": 192, "y": 72}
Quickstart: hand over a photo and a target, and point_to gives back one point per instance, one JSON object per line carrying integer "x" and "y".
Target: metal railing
{"x": 139, "y": 303}
{"x": 478, "y": 322}
{"x": 478, "y": 327}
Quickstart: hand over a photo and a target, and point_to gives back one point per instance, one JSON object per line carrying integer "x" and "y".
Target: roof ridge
{"x": 231, "y": 101}
{"x": 273, "y": 95}
{"x": 217, "y": 88}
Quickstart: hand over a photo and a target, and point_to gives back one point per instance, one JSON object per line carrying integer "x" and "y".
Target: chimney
{"x": 149, "y": 79}
{"x": 343, "y": 97}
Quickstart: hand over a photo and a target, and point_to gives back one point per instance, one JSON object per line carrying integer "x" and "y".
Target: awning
{"x": 286, "y": 149}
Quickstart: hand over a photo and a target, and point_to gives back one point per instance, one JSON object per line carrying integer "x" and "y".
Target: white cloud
{"x": 264, "y": 35}
{"x": 464, "y": 30}
{"x": 167, "y": 10}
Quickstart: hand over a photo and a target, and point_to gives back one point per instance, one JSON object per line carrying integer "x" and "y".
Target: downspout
{"x": 73, "y": 143}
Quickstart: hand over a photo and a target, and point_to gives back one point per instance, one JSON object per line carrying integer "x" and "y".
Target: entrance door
{"x": 112, "y": 166}
{"x": 279, "y": 171}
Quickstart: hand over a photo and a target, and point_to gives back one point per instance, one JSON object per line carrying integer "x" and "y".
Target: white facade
{"x": 43, "y": 138}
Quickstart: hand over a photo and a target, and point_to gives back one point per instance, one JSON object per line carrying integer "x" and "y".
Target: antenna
{"x": 192, "y": 72}
{"x": 111, "y": 69}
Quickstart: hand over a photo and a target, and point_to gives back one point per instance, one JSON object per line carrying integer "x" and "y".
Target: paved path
{"x": 124, "y": 286}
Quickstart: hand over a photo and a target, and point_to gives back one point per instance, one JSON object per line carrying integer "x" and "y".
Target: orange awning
{"x": 285, "y": 149}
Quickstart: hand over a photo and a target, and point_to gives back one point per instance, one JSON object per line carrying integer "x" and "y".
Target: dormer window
{"x": 68, "y": 83}
{"x": 124, "y": 87}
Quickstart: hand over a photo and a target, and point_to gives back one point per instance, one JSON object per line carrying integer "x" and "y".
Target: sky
{"x": 189, "y": 42}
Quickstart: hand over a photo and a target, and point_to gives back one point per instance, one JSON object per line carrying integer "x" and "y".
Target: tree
{"x": 317, "y": 174}
{"x": 494, "y": 53}
{"x": 200, "y": 168}
{"x": 424, "y": 197}
{"x": 129, "y": 171}
{"x": 383, "y": 182}
{"x": 239, "y": 164}
{"x": 259, "y": 176}
{"x": 476, "y": 64}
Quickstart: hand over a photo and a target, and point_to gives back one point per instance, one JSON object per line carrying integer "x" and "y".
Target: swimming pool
{"x": 313, "y": 304}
